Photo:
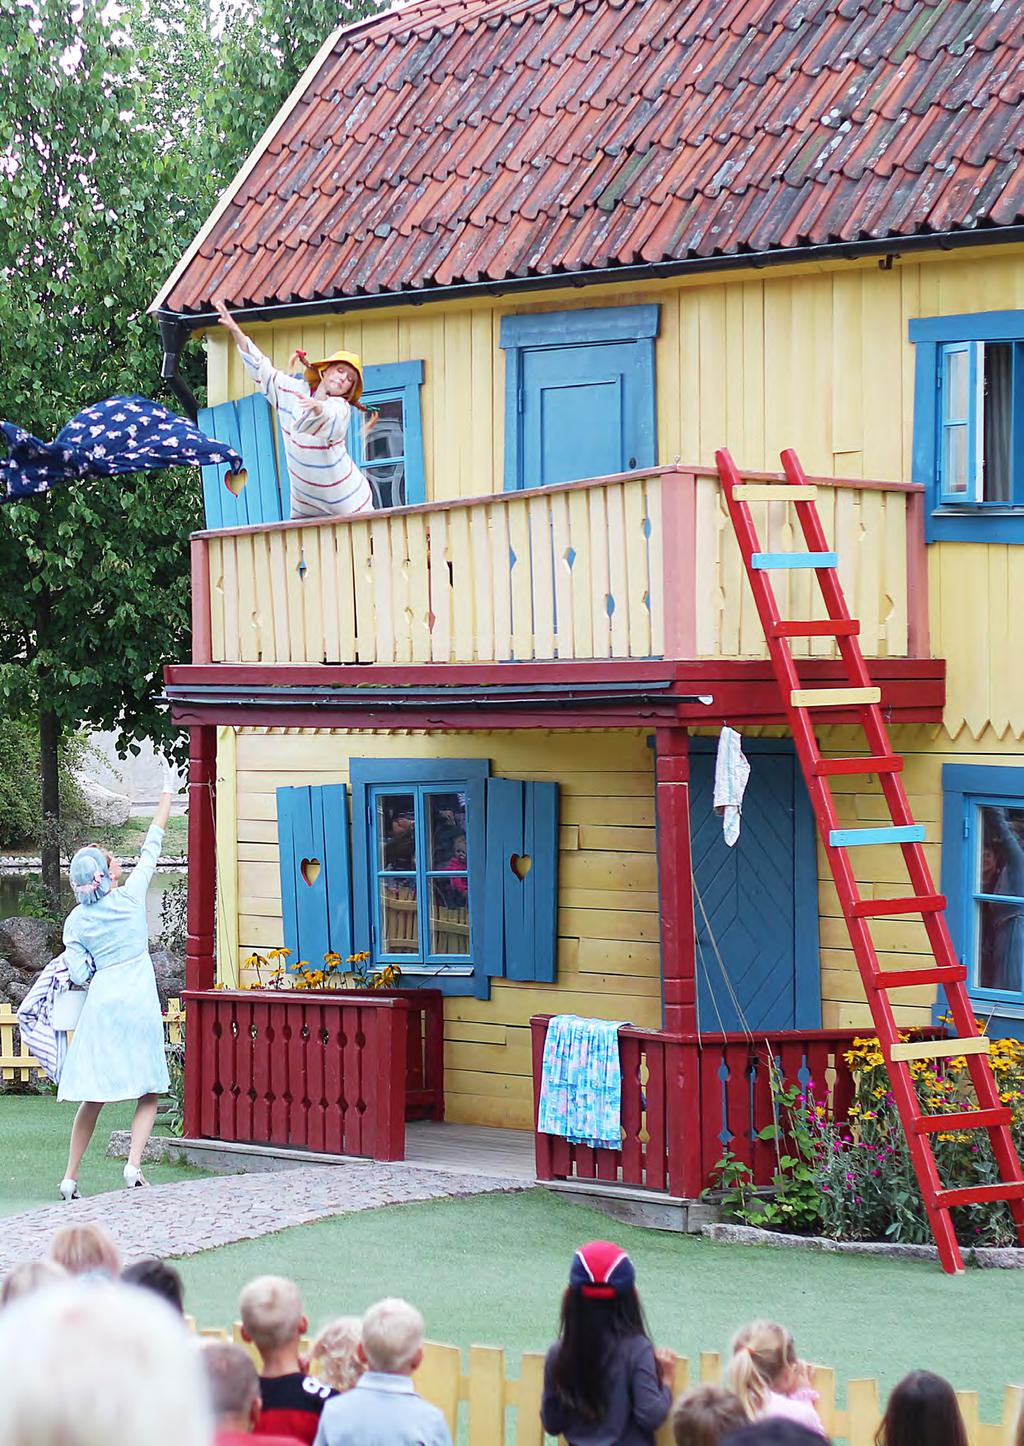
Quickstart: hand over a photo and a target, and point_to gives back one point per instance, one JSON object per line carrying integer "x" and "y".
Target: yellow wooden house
{"x": 578, "y": 248}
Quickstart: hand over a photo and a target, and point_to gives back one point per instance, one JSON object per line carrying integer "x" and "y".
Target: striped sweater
{"x": 325, "y": 482}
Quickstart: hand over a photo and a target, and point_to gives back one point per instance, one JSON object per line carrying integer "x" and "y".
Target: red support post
{"x": 202, "y": 862}
{"x": 675, "y": 889}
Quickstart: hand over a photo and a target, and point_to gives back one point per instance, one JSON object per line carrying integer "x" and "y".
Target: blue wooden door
{"x": 586, "y": 411}
{"x": 760, "y": 897}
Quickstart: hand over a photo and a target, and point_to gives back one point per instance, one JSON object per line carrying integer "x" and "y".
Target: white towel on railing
{"x": 731, "y": 773}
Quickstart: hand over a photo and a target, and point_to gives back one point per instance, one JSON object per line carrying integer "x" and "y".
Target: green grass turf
{"x": 490, "y": 1270}
{"x": 34, "y": 1131}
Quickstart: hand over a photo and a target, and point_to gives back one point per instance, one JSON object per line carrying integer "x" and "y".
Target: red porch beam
{"x": 202, "y": 862}
{"x": 675, "y": 890}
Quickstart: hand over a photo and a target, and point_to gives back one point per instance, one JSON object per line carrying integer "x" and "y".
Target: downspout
{"x": 173, "y": 335}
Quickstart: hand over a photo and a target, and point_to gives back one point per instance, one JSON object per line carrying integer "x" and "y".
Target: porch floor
{"x": 470, "y": 1149}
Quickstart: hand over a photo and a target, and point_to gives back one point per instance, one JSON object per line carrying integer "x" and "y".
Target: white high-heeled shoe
{"x": 69, "y": 1189}
{"x": 133, "y": 1177}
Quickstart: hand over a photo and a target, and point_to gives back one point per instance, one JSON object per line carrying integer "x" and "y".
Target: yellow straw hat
{"x": 314, "y": 369}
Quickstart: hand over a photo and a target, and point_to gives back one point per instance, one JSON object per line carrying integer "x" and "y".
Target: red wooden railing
{"x": 339, "y": 1072}
{"x": 685, "y": 1098}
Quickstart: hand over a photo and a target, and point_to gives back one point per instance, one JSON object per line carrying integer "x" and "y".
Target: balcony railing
{"x": 643, "y": 565}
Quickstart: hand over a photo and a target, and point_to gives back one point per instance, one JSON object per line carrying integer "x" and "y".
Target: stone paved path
{"x": 186, "y": 1217}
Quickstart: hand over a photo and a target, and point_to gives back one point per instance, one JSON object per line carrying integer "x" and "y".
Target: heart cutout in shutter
{"x": 235, "y": 481}
{"x": 310, "y": 870}
{"x": 520, "y": 864}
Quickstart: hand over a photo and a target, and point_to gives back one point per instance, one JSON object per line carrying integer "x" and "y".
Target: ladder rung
{"x": 851, "y": 838}
{"x": 870, "y": 763}
{"x": 919, "y": 904}
{"x": 775, "y": 492}
{"x": 980, "y": 1194}
{"x": 940, "y": 1048}
{"x": 902, "y": 978}
{"x": 963, "y": 1120}
{"x": 833, "y": 697}
{"x": 818, "y": 628}
{"x": 764, "y": 561}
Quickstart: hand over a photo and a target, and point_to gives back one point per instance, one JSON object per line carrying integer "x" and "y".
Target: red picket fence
{"x": 338, "y": 1072}
{"x": 685, "y": 1098}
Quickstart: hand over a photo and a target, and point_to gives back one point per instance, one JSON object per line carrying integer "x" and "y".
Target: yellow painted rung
{"x": 833, "y": 697}
{"x": 774, "y": 492}
{"x": 941, "y": 1048}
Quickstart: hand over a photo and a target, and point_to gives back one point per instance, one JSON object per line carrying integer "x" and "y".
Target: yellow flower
{"x": 279, "y": 954}
{"x": 254, "y": 961}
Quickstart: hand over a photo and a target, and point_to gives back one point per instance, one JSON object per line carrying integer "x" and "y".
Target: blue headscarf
{"x": 89, "y": 876}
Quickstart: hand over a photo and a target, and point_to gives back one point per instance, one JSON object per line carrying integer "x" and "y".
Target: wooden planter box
{"x": 338, "y": 1072}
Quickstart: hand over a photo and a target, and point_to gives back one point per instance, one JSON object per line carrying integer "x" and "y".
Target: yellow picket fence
{"x": 18, "y": 1066}
{"x": 501, "y": 1409}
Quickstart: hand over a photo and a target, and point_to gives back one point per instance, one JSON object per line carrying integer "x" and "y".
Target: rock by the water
{"x": 29, "y": 944}
{"x": 106, "y": 807}
{"x": 170, "y": 974}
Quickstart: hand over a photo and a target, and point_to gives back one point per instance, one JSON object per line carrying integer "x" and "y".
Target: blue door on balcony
{"x": 757, "y": 933}
{"x": 580, "y": 394}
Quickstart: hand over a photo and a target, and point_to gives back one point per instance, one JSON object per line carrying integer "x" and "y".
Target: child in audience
{"x": 703, "y": 1415}
{"x": 273, "y": 1321}
{"x": 769, "y": 1379}
{"x": 383, "y": 1405}
{"x": 603, "y": 1379}
{"x": 235, "y": 1396}
{"x": 28, "y": 1277}
{"x": 922, "y": 1408}
{"x": 334, "y": 1354}
{"x": 159, "y": 1277}
{"x": 85, "y": 1250}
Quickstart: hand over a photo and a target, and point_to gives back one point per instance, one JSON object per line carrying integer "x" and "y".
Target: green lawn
{"x": 34, "y": 1132}
{"x": 128, "y": 840}
{"x": 490, "y": 1270}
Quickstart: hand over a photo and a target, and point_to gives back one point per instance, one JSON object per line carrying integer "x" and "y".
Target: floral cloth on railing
{"x": 581, "y": 1082}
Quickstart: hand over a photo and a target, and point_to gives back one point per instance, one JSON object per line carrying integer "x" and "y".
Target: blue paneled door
{"x": 760, "y": 897}
{"x": 586, "y": 411}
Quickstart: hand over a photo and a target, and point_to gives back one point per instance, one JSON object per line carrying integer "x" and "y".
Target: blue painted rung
{"x": 765, "y": 560}
{"x": 847, "y": 838}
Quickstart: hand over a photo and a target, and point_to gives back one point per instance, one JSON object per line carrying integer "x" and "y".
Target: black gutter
{"x": 407, "y": 700}
{"x": 888, "y": 247}
{"x": 173, "y": 335}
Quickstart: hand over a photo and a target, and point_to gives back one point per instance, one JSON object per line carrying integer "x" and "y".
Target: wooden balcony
{"x": 642, "y": 565}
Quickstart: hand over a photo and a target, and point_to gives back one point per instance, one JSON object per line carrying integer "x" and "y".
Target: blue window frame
{"x": 983, "y": 880}
{"x": 969, "y": 425}
{"x": 579, "y": 394}
{"x": 391, "y": 454}
{"x": 418, "y": 850}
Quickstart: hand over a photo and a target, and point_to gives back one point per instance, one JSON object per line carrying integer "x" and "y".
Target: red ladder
{"x": 859, "y": 693}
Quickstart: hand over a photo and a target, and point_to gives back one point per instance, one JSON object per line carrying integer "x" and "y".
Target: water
{"x": 12, "y": 887}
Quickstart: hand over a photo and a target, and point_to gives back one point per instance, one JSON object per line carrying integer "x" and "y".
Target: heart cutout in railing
{"x": 235, "y": 481}
{"x": 310, "y": 870}
{"x": 520, "y": 864}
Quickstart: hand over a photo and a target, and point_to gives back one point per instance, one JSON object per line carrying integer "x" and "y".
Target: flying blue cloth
{"x": 581, "y": 1082}
{"x": 122, "y": 434}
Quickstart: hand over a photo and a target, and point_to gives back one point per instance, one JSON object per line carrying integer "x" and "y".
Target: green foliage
{"x": 174, "y": 916}
{"x": 20, "y": 811}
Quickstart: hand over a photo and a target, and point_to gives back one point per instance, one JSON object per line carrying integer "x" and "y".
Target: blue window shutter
{"x": 522, "y": 902}
{"x": 316, "y": 892}
{"x": 247, "y": 425}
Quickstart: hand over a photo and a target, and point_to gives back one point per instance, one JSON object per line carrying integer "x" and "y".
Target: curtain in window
{"x": 998, "y": 418}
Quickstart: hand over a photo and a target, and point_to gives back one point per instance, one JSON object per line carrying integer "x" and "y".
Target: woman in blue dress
{"x": 117, "y": 1049}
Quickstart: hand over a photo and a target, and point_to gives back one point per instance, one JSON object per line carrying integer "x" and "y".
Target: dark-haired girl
{"x": 922, "y": 1408}
{"x": 604, "y": 1383}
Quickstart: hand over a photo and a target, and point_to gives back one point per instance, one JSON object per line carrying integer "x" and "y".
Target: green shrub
{"x": 21, "y": 813}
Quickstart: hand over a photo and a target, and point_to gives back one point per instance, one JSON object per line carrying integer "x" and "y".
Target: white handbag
{"x": 67, "y": 1009}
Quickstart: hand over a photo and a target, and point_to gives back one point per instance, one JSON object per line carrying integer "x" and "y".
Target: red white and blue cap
{"x": 601, "y": 1270}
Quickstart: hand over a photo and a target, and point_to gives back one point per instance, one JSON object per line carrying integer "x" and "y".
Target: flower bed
{"x": 852, "y": 1178}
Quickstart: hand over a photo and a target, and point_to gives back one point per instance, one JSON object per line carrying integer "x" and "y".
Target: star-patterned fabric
{"x": 122, "y": 434}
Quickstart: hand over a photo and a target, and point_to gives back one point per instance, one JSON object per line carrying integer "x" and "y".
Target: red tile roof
{"x": 477, "y": 142}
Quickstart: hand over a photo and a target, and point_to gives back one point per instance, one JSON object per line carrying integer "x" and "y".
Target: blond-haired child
{"x": 274, "y": 1321}
{"x": 768, "y": 1377}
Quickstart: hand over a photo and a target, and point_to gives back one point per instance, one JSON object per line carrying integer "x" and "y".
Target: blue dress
{"x": 117, "y": 1050}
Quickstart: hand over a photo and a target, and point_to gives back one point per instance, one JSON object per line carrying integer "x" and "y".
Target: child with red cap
{"x": 604, "y": 1382}
{"x": 314, "y": 416}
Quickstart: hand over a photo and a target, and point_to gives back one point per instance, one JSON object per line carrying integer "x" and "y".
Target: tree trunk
{"x": 49, "y": 734}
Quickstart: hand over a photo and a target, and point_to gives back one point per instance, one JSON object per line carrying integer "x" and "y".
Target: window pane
{"x": 449, "y": 915}
{"x": 997, "y": 420}
{"x": 954, "y": 463}
{"x": 1001, "y": 866}
{"x": 399, "y": 916}
{"x": 446, "y": 827}
{"x": 396, "y": 832}
{"x": 387, "y": 440}
{"x": 958, "y": 376}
